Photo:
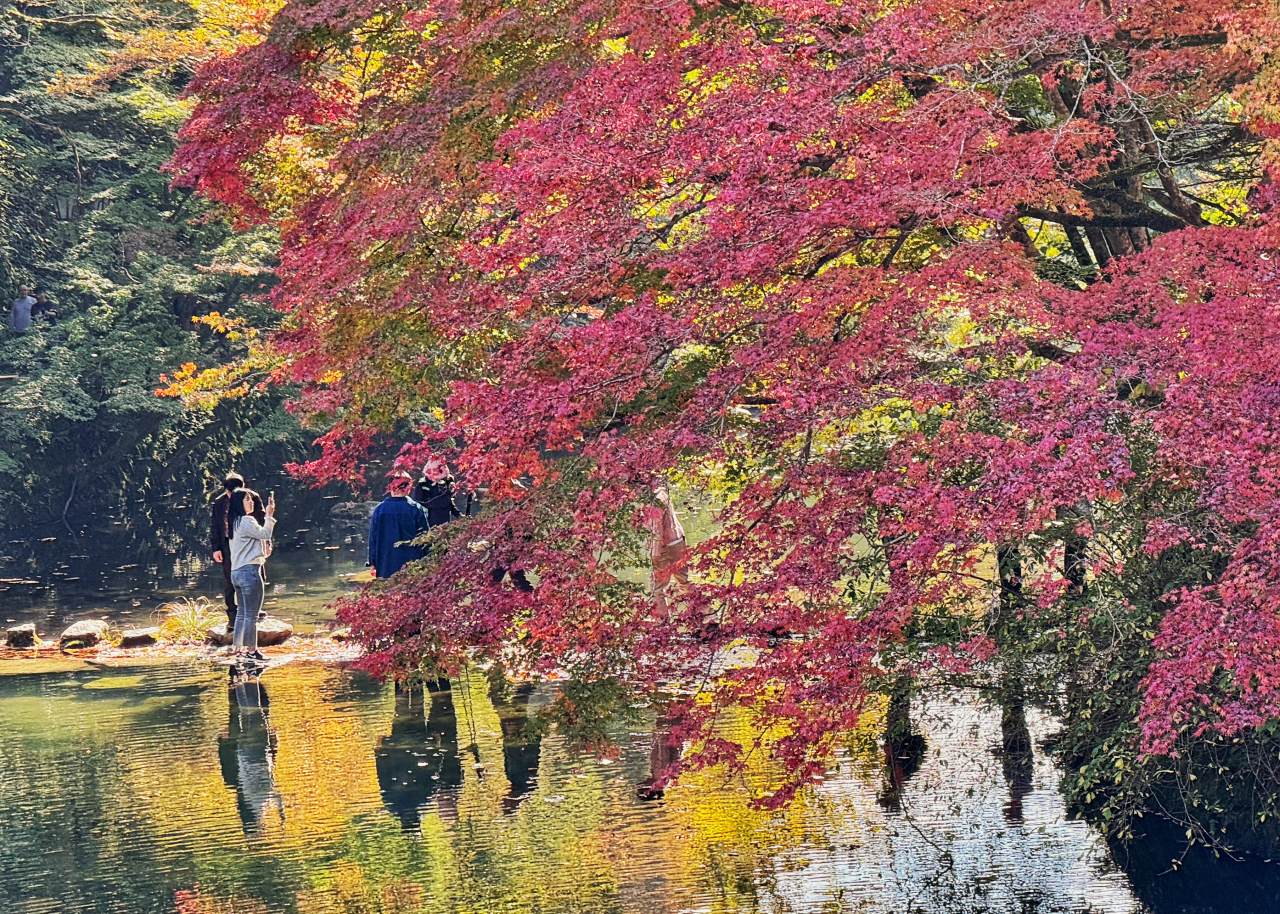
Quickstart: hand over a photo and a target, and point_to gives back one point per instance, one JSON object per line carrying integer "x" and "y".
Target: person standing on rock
{"x": 220, "y": 542}
{"x": 250, "y": 542}
{"x": 394, "y": 524}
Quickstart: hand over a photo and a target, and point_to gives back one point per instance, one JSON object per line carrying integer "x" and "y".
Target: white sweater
{"x": 249, "y": 541}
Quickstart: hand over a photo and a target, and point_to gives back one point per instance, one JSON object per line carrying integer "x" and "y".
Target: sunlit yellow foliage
{"x": 205, "y": 389}
{"x": 159, "y": 46}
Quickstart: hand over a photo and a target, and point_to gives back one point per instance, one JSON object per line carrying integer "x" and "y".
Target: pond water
{"x": 317, "y": 789}
{"x": 122, "y": 568}
{"x": 171, "y": 788}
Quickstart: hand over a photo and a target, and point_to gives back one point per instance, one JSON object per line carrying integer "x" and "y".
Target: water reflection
{"x": 419, "y": 757}
{"x": 904, "y": 745}
{"x": 130, "y": 791}
{"x": 247, "y": 753}
{"x": 521, "y": 750}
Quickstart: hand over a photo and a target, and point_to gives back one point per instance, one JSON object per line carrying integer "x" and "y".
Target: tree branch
{"x": 1147, "y": 218}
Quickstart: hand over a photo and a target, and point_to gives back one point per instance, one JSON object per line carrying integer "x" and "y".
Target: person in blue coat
{"x": 394, "y": 523}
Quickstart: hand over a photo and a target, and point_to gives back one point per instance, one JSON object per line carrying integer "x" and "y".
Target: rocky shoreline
{"x": 94, "y": 640}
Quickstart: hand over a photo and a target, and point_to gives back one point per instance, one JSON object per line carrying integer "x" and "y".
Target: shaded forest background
{"x": 87, "y": 215}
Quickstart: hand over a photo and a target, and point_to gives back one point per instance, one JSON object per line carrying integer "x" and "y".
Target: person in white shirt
{"x": 20, "y": 315}
{"x": 250, "y": 546}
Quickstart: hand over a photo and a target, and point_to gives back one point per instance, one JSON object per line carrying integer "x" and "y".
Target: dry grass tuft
{"x": 188, "y": 619}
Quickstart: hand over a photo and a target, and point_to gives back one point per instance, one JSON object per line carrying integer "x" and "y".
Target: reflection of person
{"x": 668, "y": 552}
{"x": 247, "y": 753}
{"x": 521, "y": 755}
{"x": 420, "y": 755}
{"x": 220, "y": 543}
{"x": 664, "y": 754}
{"x": 394, "y": 524}
{"x": 20, "y": 314}
{"x": 250, "y": 546}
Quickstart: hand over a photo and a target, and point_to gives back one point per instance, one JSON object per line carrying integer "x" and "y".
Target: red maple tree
{"x": 906, "y": 284}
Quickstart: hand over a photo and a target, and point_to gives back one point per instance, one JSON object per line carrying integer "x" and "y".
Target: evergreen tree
{"x": 86, "y": 214}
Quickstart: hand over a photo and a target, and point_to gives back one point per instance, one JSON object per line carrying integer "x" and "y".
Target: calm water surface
{"x": 123, "y": 569}
{"x": 165, "y": 788}
{"x": 168, "y": 789}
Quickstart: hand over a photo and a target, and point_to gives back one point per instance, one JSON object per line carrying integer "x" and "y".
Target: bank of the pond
{"x": 320, "y": 648}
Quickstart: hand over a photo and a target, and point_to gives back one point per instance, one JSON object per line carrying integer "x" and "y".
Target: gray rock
{"x": 273, "y": 631}
{"x": 84, "y": 634}
{"x": 21, "y": 635}
{"x": 353, "y": 510}
{"x": 219, "y": 635}
{"x": 270, "y": 633}
{"x": 139, "y": 637}
{"x": 340, "y": 634}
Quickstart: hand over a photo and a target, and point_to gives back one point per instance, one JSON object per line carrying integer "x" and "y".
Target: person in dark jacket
{"x": 394, "y": 523}
{"x": 220, "y": 542}
{"x": 437, "y": 497}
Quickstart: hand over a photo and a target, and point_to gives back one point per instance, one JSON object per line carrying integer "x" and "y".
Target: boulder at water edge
{"x": 219, "y": 635}
{"x": 273, "y": 631}
{"x": 84, "y": 634}
{"x": 270, "y": 633}
{"x": 139, "y": 637}
{"x": 21, "y": 636}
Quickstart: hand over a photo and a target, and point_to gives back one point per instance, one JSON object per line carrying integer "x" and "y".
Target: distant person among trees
{"x": 394, "y": 523}
{"x": 435, "y": 493}
{"x": 250, "y": 542}
{"x": 668, "y": 553}
{"x": 43, "y": 307}
{"x": 20, "y": 315}
{"x": 220, "y": 541}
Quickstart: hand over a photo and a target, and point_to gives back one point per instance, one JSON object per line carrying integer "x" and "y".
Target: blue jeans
{"x": 249, "y": 593}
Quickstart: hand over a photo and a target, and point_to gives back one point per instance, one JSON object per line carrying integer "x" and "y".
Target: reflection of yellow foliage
{"x": 719, "y": 843}
{"x": 324, "y": 769}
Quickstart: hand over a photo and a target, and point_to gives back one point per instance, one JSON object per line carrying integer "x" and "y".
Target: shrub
{"x": 188, "y": 619}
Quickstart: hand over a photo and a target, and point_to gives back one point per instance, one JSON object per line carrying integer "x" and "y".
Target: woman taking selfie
{"x": 250, "y": 546}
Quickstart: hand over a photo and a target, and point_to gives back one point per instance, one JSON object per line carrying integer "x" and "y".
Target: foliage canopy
{"x": 940, "y": 298}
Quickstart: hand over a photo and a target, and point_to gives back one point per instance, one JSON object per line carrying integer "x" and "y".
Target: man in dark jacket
{"x": 396, "y": 521}
{"x": 220, "y": 544}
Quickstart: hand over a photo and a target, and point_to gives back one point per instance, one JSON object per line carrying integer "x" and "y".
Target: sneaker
{"x": 255, "y": 655}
